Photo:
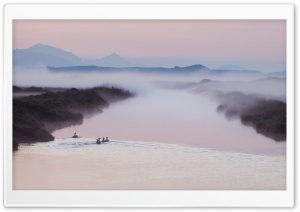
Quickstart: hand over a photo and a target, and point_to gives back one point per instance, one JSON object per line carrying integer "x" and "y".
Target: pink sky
{"x": 260, "y": 40}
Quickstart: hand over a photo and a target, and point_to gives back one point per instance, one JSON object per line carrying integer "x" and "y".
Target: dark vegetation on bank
{"x": 36, "y": 116}
{"x": 267, "y": 117}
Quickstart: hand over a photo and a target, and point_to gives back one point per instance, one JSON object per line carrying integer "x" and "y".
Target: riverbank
{"x": 36, "y": 116}
{"x": 267, "y": 117}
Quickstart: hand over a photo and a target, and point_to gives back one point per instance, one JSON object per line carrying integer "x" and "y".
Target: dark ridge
{"x": 17, "y": 88}
{"x": 112, "y": 94}
{"x": 267, "y": 117}
{"x": 37, "y": 89}
{"x": 93, "y": 68}
{"x": 34, "y": 89}
{"x": 81, "y": 68}
{"x": 34, "y": 117}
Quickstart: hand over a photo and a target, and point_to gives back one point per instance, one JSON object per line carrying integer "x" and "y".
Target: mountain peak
{"x": 41, "y": 54}
{"x": 40, "y": 46}
{"x": 197, "y": 67}
{"x": 114, "y": 55}
{"x": 112, "y": 60}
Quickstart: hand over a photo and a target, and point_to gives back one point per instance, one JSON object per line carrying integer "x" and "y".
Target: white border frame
{"x": 151, "y": 198}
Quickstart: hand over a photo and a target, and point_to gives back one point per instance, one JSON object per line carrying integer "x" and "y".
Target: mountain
{"x": 44, "y": 55}
{"x": 57, "y": 59}
{"x": 198, "y": 69}
{"x": 175, "y": 70}
{"x": 113, "y": 60}
{"x": 56, "y": 52}
{"x": 34, "y": 59}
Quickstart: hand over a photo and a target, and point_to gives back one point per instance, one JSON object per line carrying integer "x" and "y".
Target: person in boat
{"x": 106, "y": 139}
{"x": 103, "y": 139}
{"x": 75, "y": 136}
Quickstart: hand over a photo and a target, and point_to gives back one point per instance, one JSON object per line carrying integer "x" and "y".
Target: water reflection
{"x": 172, "y": 116}
{"x": 68, "y": 163}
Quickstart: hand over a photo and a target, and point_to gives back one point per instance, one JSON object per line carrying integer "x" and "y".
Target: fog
{"x": 237, "y": 96}
{"x": 133, "y": 81}
{"x": 199, "y": 81}
{"x": 267, "y": 87}
{"x": 179, "y": 109}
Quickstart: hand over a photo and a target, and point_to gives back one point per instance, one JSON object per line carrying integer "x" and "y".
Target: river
{"x": 160, "y": 139}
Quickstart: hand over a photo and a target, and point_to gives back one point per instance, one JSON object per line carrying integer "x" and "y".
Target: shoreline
{"x": 35, "y": 117}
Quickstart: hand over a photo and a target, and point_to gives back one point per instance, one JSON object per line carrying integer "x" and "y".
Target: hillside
{"x": 59, "y": 60}
{"x": 36, "y": 116}
{"x": 151, "y": 70}
{"x": 45, "y": 55}
{"x": 267, "y": 117}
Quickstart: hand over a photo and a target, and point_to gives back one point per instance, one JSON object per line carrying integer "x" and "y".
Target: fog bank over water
{"x": 134, "y": 82}
{"x": 167, "y": 108}
{"x": 197, "y": 80}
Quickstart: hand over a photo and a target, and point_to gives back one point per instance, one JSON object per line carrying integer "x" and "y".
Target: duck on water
{"x": 103, "y": 140}
{"x": 75, "y": 136}
{"x": 98, "y": 139}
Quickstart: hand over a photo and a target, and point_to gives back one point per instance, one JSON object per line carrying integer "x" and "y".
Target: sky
{"x": 251, "y": 44}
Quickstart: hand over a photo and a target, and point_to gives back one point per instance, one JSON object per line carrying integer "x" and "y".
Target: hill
{"x": 45, "y": 55}
{"x": 36, "y": 116}
{"x": 113, "y": 60}
{"x": 156, "y": 70}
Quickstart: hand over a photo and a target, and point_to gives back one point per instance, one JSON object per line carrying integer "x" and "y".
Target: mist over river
{"x": 177, "y": 117}
{"x": 159, "y": 139}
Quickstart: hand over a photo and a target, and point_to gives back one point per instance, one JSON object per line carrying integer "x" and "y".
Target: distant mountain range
{"x": 44, "y": 55}
{"x": 198, "y": 68}
{"x": 59, "y": 60}
{"x": 174, "y": 70}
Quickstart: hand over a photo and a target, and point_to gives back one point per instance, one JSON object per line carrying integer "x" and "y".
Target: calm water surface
{"x": 161, "y": 139}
